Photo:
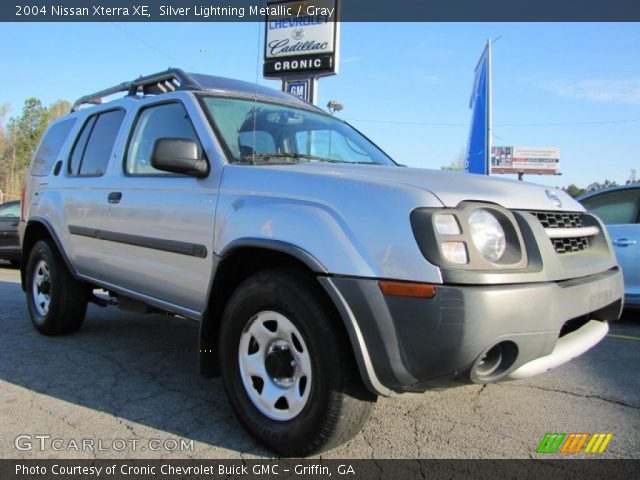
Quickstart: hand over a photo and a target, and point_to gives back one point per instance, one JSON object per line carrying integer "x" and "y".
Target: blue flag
{"x": 478, "y": 148}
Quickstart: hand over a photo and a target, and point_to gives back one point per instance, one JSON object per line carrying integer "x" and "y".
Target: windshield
{"x": 259, "y": 132}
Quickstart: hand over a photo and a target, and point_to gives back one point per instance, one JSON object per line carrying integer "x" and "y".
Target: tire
{"x": 57, "y": 302}
{"x": 323, "y": 411}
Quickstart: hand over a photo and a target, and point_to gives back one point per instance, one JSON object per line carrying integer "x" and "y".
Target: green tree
{"x": 25, "y": 131}
{"x": 4, "y": 109}
{"x": 58, "y": 109}
{"x": 595, "y": 186}
{"x": 20, "y": 139}
{"x": 574, "y": 191}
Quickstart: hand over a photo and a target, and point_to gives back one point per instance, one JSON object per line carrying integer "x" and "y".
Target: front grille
{"x": 560, "y": 219}
{"x": 563, "y": 220}
{"x": 570, "y": 245}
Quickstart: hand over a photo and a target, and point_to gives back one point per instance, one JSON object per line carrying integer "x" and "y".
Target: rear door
{"x": 158, "y": 234}
{"x": 83, "y": 190}
{"x": 620, "y": 211}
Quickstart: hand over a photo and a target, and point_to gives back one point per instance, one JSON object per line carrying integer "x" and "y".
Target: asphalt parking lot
{"x": 130, "y": 382}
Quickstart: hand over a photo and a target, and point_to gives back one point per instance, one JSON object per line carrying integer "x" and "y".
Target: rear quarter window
{"x": 50, "y": 147}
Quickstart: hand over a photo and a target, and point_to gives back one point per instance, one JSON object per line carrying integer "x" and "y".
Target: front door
{"x": 158, "y": 233}
{"x": 620, "y": 211}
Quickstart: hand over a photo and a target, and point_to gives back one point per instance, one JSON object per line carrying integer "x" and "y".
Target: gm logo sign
{"x": 299, "y": 88}
{"x": 574, "y": 443}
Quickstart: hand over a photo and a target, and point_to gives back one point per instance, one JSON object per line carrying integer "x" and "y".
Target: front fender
{"x": 359, "y": 228}
{"x": 308, "y": 231}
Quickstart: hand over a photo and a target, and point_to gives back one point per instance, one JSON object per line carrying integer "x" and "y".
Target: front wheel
{"x": 57, "y": 302}
{"x": 287, "y": 366}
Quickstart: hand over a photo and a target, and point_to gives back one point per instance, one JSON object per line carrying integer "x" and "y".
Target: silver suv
{"x": 323, "y": 274}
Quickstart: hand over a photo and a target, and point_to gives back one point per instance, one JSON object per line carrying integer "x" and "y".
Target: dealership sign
{"x": 301, "y": 39}
{"x": 299, "y": 88}
{"x": 532, "y": 160}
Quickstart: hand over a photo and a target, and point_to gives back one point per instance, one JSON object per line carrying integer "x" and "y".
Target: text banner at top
{"x": 351, "y": 10}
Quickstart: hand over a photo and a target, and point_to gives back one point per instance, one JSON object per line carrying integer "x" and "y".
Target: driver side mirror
{"x": 179, "y": 155}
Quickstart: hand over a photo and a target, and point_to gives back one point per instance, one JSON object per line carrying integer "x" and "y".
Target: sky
{"x": 406, "y": 86}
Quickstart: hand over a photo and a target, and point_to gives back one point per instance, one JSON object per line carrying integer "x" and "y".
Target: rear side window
{"x": 93, "y": 148}
{"x": 50, "y": 147}
{"x": 619, "y": 207}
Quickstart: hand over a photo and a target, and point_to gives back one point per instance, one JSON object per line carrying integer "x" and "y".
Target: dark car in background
{"x": 9, "y": 220}
{"x": 619, "y": 209}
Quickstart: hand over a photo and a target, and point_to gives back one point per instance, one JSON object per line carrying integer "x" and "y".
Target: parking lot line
{"x": 626, "y": 337}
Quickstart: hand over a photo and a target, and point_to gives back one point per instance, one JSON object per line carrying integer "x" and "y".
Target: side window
{"x": 93, "y": 148}
{"x": 10, "y": 210}
{"x": 169, "y": 120}
{"x": 81, "y": 144}
{"x": 615, "y": 208}
{"x": 50, "y": 147}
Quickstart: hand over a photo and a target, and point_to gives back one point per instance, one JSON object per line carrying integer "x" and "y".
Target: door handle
{"x": 115, "y": 197}
{"x": 623, "y": 242}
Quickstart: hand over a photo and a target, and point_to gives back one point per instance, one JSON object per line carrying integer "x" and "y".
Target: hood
{"x": 451, "y": 188}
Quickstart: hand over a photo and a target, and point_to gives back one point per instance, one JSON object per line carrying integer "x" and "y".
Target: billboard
{"x": 301, "y": 38}
{"x": 530, "y": 160}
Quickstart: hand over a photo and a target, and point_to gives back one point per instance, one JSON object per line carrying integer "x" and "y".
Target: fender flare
{"x": 210, "y": 368}
{"x": 52, "y": 233}
{"x": 279, "y": 246}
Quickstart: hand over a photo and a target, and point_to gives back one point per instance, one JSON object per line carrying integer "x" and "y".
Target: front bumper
{"x": 414, "y": 344}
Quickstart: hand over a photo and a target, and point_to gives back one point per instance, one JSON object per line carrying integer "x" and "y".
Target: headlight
{"x": 473, "y": 236}
{"x": 487, "y": 234}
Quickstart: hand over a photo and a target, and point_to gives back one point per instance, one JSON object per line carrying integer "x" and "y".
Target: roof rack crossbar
{"x": 168, "y": 81}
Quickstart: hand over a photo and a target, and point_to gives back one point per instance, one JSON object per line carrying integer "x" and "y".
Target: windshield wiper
{"x": 266, "y": 157}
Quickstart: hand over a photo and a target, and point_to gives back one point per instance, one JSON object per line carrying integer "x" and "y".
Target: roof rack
{"x": 162, "y": 82}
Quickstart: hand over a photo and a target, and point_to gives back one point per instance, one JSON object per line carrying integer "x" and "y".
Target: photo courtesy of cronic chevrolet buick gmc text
{"x": 323, "y": 274}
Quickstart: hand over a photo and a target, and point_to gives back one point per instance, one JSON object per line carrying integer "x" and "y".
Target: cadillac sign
{"x": 301, "y": 39}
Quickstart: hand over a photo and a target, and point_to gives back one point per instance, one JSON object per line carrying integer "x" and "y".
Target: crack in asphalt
{"x": 614, "y": 401}
{"x": 365, "y": 436}
{"x": 416, "y": 433}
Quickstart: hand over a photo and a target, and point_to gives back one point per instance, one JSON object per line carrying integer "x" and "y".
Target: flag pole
{"x": 489, "y": 106}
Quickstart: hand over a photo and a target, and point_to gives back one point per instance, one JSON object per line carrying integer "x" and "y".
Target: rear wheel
{"x": 287, "y": 366}
{"x": 57, "y": 302}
